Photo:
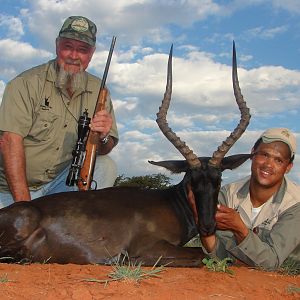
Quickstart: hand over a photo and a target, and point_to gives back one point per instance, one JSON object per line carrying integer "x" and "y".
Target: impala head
{"x": 202, "y": 178}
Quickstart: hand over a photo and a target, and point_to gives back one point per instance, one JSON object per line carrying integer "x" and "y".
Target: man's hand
{"x": 229, "y": 219}
{"x": 101, "y": 123}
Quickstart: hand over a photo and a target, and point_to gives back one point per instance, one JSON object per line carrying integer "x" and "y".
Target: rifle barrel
{"x": 112, "y": 45}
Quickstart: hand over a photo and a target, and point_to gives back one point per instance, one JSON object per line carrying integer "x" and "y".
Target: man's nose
{"x": 74, "y": 54}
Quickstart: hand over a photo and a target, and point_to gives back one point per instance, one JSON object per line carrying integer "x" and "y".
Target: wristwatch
{"x": 104, "y": 140}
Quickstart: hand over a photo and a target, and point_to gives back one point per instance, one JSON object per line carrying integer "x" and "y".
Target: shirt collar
{"x": 277, "y": 198}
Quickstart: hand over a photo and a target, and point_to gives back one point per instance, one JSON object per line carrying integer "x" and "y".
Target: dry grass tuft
{"x": 290, "y": 267}
{"x": 125, "y": 269}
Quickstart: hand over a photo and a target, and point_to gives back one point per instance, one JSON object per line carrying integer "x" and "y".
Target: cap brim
{"x": 78, "y": 37}
{"x": 268, "y": 140}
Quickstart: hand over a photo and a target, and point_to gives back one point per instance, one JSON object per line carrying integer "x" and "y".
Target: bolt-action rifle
{"x": 85, "y": 151}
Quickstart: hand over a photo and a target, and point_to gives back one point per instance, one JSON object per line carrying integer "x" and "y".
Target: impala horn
{"x": 244, "y": 121}
{"x": 161, "y": 120}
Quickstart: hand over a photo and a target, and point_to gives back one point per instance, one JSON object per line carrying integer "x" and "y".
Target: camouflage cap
{"x": 79, "y": 28}
{"x": 280, "y": 135}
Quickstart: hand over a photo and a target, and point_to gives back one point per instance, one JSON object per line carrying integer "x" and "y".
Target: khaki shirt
{"x": 274, "y": 235}
{"x": 33, "y": 107}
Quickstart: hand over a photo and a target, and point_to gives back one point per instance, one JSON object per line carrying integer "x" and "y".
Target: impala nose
{"x": 208, "y": 229}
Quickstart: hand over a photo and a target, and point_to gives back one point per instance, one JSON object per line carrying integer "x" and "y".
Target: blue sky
{"x": 203, "y": 111}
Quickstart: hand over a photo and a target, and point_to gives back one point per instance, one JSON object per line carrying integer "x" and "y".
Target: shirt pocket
{"x": 43, "y": 126}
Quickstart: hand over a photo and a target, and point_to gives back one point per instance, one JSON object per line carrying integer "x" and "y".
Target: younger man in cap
{"x": 258, "y": 218}
{"x": 39, "y": 116}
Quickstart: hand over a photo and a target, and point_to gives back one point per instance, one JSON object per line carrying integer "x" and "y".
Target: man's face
{"x": 269, "y": 164}
{"x": 74, "y": 56}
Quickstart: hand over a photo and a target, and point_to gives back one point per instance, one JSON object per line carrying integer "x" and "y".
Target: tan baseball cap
{"x": 280, "y": 135}
{"x": 79, "y": 28}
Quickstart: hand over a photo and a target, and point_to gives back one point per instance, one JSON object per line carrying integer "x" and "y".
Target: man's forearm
{"x": 15, "y": 166}
{"x": 240, "y": 234}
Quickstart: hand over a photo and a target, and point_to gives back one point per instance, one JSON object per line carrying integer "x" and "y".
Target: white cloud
{"x": 19, "y": 51}
{"x": 203, "y": 109}
{"x": 132, "y": 21}
{"x": 136, "y": 135}
{"x": 202, "y": 90}
{"x": 265, "y": 33}
{"x": 144, "y": 123}
{"x": 17, "y": 56}
{"x": 13, "y": 26}
{"x": 203, "y": 143}
{"x": 2, "y": 86}
{"x": 291, "y": 5}
{"x": 272, "y": 89}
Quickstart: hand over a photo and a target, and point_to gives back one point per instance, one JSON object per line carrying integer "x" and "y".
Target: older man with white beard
{"x": 39, "y": 117}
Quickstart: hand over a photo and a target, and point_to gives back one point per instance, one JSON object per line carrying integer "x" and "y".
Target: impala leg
{"x": 164, "y": 253}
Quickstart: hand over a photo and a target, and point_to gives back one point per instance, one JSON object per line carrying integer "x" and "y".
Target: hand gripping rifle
{"x": 85, "y": 151}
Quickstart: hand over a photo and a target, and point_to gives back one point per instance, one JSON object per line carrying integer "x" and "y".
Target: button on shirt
{"x": 33, "y": 107}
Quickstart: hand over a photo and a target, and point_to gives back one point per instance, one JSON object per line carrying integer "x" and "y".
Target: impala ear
{"x": 175, "y": 166}
{"x": 233, "y": 161}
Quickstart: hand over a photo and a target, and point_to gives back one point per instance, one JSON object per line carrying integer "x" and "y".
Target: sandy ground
{"x": 52, "y": 281}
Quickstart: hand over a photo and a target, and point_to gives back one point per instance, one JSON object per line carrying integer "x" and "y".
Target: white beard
{"x": 69, "y": 80}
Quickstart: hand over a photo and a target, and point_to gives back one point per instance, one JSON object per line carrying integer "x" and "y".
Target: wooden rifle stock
{"x": 87, "y": 169}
